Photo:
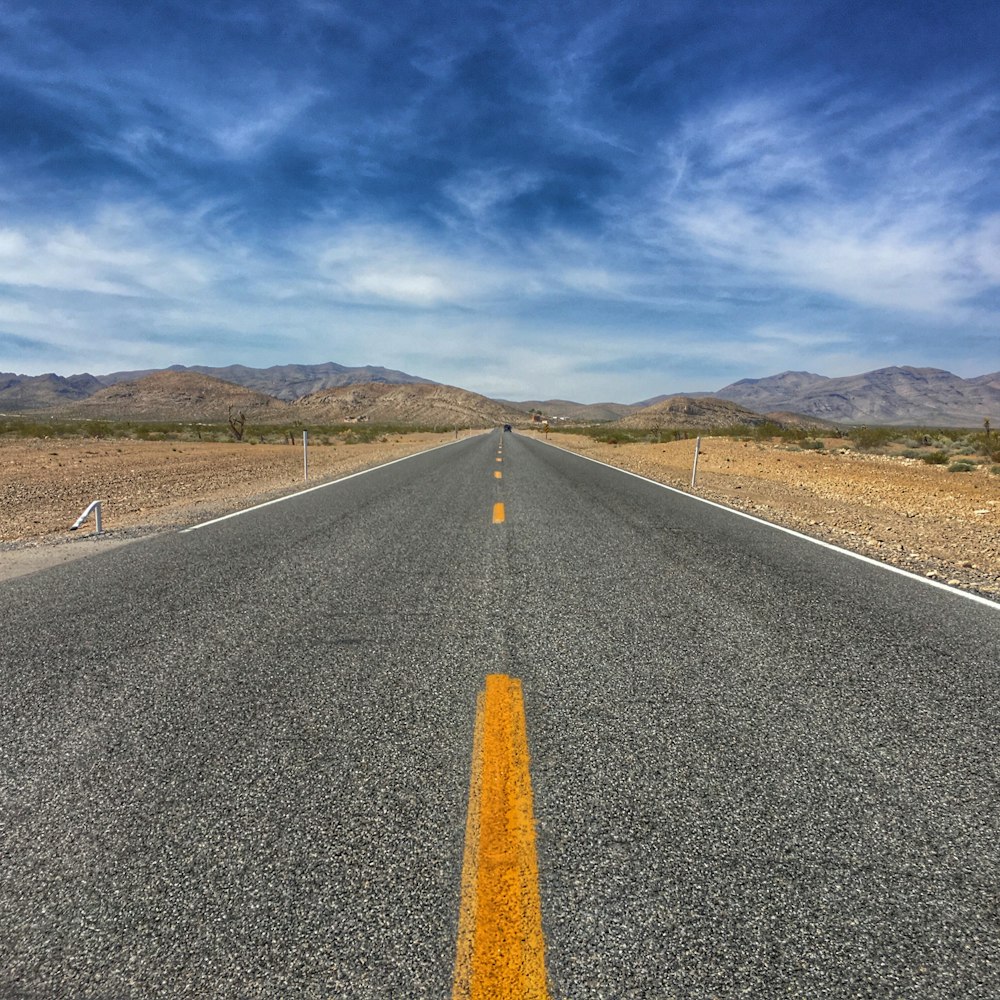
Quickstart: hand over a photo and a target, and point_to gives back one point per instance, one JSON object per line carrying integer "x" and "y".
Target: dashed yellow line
{"x": 498, "y": 474}
{"x": 500, "y": 951}
{"x": 499, "y": 514}
{"x": 499, "y": 459}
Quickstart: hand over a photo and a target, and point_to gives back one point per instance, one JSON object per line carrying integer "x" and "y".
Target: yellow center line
{"x": 499, "y": 514}
{"x": 501, "y": 950}
{"x": 498, "y": 474}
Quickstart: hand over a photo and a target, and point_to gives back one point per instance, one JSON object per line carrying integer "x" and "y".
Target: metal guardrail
{"x": 95, "y": 509}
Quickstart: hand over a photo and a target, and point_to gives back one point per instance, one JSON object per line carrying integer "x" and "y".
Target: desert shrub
{"x": 995, "y": 470}
{"x": 869, "y": 438}
{"x": 935, "y": 457}
{"x": 961, "y": 467}
{"x": 912, "y": 453}
{"x": 811, "y": 444}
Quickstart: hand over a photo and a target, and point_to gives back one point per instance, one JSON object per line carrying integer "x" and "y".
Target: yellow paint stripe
{"x": 498, "y": 474}
{"x": 501, "y": 950}
{"x": 499, "y": 459}
{"x": 499, "y": 514}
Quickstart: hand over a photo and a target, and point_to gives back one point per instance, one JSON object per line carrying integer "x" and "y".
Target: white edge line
{"x": 791, "y": 531}
{"x": 312, "y": 489}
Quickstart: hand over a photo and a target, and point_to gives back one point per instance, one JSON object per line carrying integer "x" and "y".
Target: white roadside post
{"x": 94, "y": 508}
{"x": 694, "y": 468}
{"x": 305, "y": 455}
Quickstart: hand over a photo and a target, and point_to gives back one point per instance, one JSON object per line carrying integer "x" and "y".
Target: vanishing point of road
{"x": 238, "y": 761}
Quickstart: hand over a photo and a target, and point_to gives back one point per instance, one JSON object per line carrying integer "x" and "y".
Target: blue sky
{"x": 583, "y": 200}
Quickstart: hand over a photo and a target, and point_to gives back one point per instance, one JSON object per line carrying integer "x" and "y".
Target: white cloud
{"x": 774, "y": 193}
{"x": 839, "y": 252}
{"x": 118, "y": 253}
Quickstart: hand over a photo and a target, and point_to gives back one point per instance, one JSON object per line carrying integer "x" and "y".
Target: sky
{"x": 585, "y": 200}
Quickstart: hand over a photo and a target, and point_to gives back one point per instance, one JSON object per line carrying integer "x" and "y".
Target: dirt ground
{"x": 146, "y": 486}
{"x": 920, "y": 517}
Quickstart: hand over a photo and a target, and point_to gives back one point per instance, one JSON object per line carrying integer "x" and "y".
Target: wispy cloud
{"x": 776, "y": 191}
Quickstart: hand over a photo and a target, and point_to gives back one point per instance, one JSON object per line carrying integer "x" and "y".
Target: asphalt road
{"x": 235, "y": 762}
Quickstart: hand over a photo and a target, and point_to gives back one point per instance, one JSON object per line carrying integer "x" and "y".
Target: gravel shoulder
{"x": 150, "y": 486}
{"x": 919, "y": 517}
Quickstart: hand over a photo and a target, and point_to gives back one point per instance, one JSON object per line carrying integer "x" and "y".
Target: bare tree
{"x": 236, "y": 424}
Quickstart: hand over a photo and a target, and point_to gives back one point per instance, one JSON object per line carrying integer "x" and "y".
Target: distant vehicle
{"x": 506, "y": 427}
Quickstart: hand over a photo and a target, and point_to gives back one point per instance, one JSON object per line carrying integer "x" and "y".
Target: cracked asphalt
{"x": 234, "y": 762}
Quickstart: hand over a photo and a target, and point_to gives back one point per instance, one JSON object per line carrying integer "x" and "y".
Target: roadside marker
{"x": 500, "y": 950}
{"x": 499, "y": 515}
{"x": 499, "y": 459}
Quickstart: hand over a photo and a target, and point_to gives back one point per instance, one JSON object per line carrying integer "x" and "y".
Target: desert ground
{"x": 920, "y": 517}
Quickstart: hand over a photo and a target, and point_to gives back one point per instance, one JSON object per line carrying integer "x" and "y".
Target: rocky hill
{"x": 692, "y": 412}
{"x": 178, "y": 396}
{"x": 188, "y": 396}
{"x": 417, "y": 403}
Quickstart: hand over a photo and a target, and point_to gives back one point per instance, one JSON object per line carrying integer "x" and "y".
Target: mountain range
{"x": 911, "y": 396}
{"x": 896, "y": 395}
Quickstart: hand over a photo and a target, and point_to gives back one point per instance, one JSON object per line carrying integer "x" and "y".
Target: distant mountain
{"x": 286, "y": 381}
{"x": 414, "y": 403}
{"x": 898, "y": 395}
{"x": 177, "y": 396}
{"x": 568, "y": 410}
{"x": 19, "y": 393}
{"x": 993, "y": 381}
{"x": 759, "y": 393}
{"x": 38, "y": 392}
{"x": 189, "y": 396}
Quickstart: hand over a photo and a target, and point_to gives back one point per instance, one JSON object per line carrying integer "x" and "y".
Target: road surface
{"x": 235, "y": 762}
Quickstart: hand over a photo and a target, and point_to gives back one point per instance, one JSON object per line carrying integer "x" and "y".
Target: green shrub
{"x": 995, "y": 470}
{"x": 811, "y": 444}
{"x": 868, "y": 438}
{"x": 935, "y": 457}
{"x": 961, "y": 467}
